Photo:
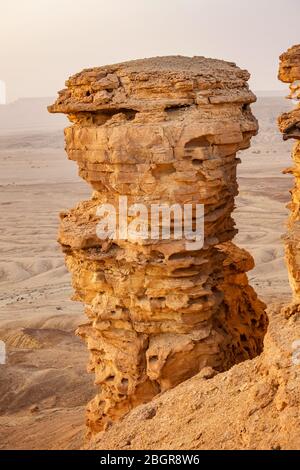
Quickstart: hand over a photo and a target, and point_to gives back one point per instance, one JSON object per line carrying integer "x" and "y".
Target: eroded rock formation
{"x": 253, "y": 406}
{"x": 289, "y": 124}
{"x": 160, "y": 130}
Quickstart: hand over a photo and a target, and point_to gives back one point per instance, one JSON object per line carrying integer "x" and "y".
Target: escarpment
{"x": 289, "y": 124}
{"x": 159, "y": 131}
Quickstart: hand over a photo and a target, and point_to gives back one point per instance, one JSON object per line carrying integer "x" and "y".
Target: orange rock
{"x": 289, "y": 124}
{"x": 160, "y": 130}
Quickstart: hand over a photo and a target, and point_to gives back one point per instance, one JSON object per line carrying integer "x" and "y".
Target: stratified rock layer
{"x": 253, "y": 406}
{"x": 160, "y": 130}
{"x": 289, "y": 124}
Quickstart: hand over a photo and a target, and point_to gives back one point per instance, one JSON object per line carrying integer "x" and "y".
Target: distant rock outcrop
{"x": 28, "y": 116}
{"x": 289, "y": 124}
{"x": 160, "y": 130}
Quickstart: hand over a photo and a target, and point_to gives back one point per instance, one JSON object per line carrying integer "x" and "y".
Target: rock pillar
{"x": 289, "y": 124}
{"x": 159, "y": 131}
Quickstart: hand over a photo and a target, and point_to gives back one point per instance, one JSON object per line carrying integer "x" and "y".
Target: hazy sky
{"x": 45, "y": 41}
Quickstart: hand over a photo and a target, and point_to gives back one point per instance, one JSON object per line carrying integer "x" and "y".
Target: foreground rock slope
{"x": 160, "y": 130}
{"x": 254, "y": 405}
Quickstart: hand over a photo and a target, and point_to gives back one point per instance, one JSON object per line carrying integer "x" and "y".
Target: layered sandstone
{"x": 253, "y": 406}
{"x": 289, "y": 124}
{"x": 160, "y": 130}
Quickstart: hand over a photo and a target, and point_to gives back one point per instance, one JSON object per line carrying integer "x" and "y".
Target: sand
{"x": 44, "y": 385}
